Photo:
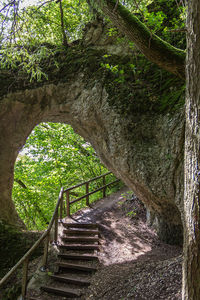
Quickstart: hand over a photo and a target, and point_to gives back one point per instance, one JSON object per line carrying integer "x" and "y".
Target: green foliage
{"x": 40, "y": 22}
{"x": 171, "y": 18}
{"x": 27, "y": 35}
{"x": 126, "y": 195}
{"x": 155, "y": 20}
{"x": 131, "y": 213}
{"x": 53, "y": 156}
{"x": 112, "y": 31}
{"x": 28, "y": 32}
{"x": 115, "y": 70}
{"x": 165, "y": 18}
{"x": 141, "y": 86}
{"x": 28, "y": 62}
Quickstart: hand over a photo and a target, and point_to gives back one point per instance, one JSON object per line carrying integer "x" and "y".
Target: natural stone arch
{"x": 143, "y": 146}
{"x": 144, "y": 150}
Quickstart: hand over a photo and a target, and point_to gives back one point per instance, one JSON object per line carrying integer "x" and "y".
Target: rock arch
{"x": 144, "y": 148}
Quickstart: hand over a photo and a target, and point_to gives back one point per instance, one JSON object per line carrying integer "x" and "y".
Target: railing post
{"x": 24, "y": 278}
{"x": 87, "y": 191}
{"x": 68, "y": 204}
{"x": 61, "y": 207}
{"x": 45, "y": 255}
{"x": 104, "y": 188}
{"x": 64, "y": 206}
{"x": 56, "y": 228}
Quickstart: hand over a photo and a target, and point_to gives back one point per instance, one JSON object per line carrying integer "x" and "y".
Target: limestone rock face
{"x": 142, "y": 147}
{"x": 144, "y": 150}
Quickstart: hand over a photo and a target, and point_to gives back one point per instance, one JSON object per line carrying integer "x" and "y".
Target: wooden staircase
{"x": 77, "y": 260}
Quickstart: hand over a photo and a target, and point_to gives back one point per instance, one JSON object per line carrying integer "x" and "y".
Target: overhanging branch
{"x": 154, "y": 48}
{"x": 20, "y": 183}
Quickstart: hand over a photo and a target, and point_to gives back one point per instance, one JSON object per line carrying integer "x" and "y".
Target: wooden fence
{"x": 88, "y": 193}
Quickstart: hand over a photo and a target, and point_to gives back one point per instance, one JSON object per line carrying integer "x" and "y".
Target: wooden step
{"x": 70, "y": 279}
{"x": 62, "y": 291}
{"x": 76, "y": 267}
{"x": 81, "y": 231}
{"x": 79, "y": 247}
{"x": 78, "y": 256}
{"x": 80, "y": 239}
{"x": 80, "y": 225}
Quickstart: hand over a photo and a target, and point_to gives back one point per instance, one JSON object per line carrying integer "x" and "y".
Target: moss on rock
{"x": 137, "y": 85}
{"x": 14, "y": 244}
{"x": 142, "y": 87}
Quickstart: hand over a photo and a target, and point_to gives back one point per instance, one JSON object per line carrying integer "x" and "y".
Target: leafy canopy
{"x": 32, "y": 30}
{"x": 53, "y": 156}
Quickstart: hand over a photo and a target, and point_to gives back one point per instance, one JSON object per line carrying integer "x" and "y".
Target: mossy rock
{"x": 11, "y": 293}
{"x": 14, "y": 244}
{"x": 141, "y": 87}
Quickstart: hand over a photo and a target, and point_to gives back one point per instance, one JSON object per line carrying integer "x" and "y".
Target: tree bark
{"x": 191, "y": 265}
{"x": 154, "y": 48}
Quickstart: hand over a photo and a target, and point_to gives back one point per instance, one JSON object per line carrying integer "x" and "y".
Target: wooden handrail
{"x": 93, "y": 192}
{"x": 37, "y": 243}
{"x": 87, "y": 194}
{"x": 25, "y": 259}
{"x": 88, "y": 181}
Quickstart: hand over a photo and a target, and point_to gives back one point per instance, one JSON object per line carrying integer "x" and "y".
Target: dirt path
{"x": 134, "y": 263}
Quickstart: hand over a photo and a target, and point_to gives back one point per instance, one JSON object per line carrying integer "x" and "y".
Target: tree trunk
{"x": 154, "y": 48}
{"x": 191, "y": 265}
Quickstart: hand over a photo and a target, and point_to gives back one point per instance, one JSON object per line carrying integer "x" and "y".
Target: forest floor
{"x": 133, "y": 262}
